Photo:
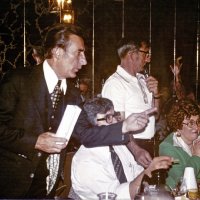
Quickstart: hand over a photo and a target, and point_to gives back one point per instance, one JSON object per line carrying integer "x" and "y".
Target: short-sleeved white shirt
{"x": 125, "y": 92}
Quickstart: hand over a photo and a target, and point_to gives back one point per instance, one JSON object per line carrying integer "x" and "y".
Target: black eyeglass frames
{"x": 192, "y": 123}
{"x": 109, "y": 117}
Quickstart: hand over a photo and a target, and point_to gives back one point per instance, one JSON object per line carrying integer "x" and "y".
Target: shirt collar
{"x": 126, "y": 76}
{"x": 178, "y": 142}
{"x": 52, "y": 79}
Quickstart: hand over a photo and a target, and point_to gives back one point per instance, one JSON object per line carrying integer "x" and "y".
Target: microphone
{"x": 146, "y": 73}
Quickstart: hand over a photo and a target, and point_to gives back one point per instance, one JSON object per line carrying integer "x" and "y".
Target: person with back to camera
{"x": 183, "y": 143}
{"x": 130, "y": 91}
{"x": 31, "y": 157}
{"x": 93, "y": 171}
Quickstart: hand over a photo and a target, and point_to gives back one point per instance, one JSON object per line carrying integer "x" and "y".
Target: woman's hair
{"x": 179, "y": 110}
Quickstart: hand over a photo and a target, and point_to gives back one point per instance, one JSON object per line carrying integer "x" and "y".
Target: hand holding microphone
{"x": 152, "y": 84}
{"x": 146, "y": 73}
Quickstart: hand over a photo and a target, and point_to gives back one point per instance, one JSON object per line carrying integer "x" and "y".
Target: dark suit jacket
{"x": 25, "y": 111}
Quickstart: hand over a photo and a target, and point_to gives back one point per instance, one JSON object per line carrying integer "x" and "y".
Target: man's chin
{"x": 71, "y": 75}
{"x": 141, "y": 71}
{"x": 74, "y": 74}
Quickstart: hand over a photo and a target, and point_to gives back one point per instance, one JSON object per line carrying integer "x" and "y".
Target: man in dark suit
{"x": 28, "y": 120}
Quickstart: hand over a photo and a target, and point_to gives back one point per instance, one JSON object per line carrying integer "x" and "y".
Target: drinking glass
{"x": 192, "y": 194}
{"x": 107, "y": 196}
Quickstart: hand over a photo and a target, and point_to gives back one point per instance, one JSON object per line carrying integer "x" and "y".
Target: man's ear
{"x": 56, "y": 52}
{"x": 131, "y": 55}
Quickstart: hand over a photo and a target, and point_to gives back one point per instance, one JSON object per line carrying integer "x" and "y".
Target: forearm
{"x": 132, "y": 145}
{"x": 13, "y": 135}
{"x": 134, "y": 186}
{"x": 93, "y": 136}
{"x": 156, "y": 103}
{"x": 17, "y": 140}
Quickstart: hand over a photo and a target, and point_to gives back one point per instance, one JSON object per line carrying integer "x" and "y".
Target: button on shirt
{"x": 126, "y": 95}
{"x": 92, "y": 172}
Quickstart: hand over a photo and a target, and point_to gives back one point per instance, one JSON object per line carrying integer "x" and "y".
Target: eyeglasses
{"x": 109, "y": 117}
{"x": 146, "y": 52}
{"x": 192, "y": 123}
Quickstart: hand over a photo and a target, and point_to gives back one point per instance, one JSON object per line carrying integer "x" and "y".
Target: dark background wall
{"x": 108, "y": 30}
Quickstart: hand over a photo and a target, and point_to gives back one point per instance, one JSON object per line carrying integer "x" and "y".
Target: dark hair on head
{"x": 98, "y": 105}
{"x": 127, "y": 44}
{"x": 38, "y": 50}
{"x": 85, "y": 81}
{"x": 58, "y": 36}
{"x": 179, "y": 110}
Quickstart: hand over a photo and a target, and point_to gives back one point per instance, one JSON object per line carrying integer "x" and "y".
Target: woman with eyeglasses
{"x": 183, "y": 143}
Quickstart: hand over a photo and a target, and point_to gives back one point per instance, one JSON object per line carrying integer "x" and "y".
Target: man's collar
{"x": 52, "y": 79}
{"x": 126, "y": 76}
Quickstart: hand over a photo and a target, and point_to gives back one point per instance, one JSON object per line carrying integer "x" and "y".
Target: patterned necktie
{"x": 55, "y": 95}
{"x": 119, "y": 171}
{"x": 53, "y": 160}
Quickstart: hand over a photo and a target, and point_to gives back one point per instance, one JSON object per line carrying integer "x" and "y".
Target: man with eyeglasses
{"x": 93, "y": 170}
{"x": 133, "y": 92}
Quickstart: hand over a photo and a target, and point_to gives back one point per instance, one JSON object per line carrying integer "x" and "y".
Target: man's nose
{"x": 114, "y": 120}
{"x": 83, "y": 60}
{"x": 148, "y": 59}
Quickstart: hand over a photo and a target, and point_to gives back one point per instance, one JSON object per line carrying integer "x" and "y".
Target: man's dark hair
{"x": 39, "y": 51}
{"x": 127, "y": 44}
{"x": 96, "y": 106}
{"x": 58, "y": 36}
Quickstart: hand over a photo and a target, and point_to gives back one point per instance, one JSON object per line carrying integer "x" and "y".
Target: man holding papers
{"x": 32, "y": 103}
{"x": 31, "y": 156}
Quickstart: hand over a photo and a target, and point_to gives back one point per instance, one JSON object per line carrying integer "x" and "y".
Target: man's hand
{"x": 141, "y": 155}
{"x": 137, "y": 121}
{"x": 152, "y": 85}
{"x": 161, "y": 162}
{"x": 49, "y": 143}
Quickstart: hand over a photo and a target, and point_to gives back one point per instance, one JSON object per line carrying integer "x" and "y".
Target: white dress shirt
{"x": 92, "y": 172}
{"x": 127, "y": 96}
{"x": 53, "y": 160}
{"x": 52, "y": 79}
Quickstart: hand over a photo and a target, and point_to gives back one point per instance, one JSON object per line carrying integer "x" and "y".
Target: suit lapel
{"x": 40, "y": 95}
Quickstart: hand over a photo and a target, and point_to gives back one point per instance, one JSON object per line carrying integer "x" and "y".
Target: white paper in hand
{"x": 68, "y": 121}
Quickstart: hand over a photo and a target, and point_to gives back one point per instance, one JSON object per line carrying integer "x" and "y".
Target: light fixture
{"x": 64, "y": 9}
{"x": 68, "y": 16}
